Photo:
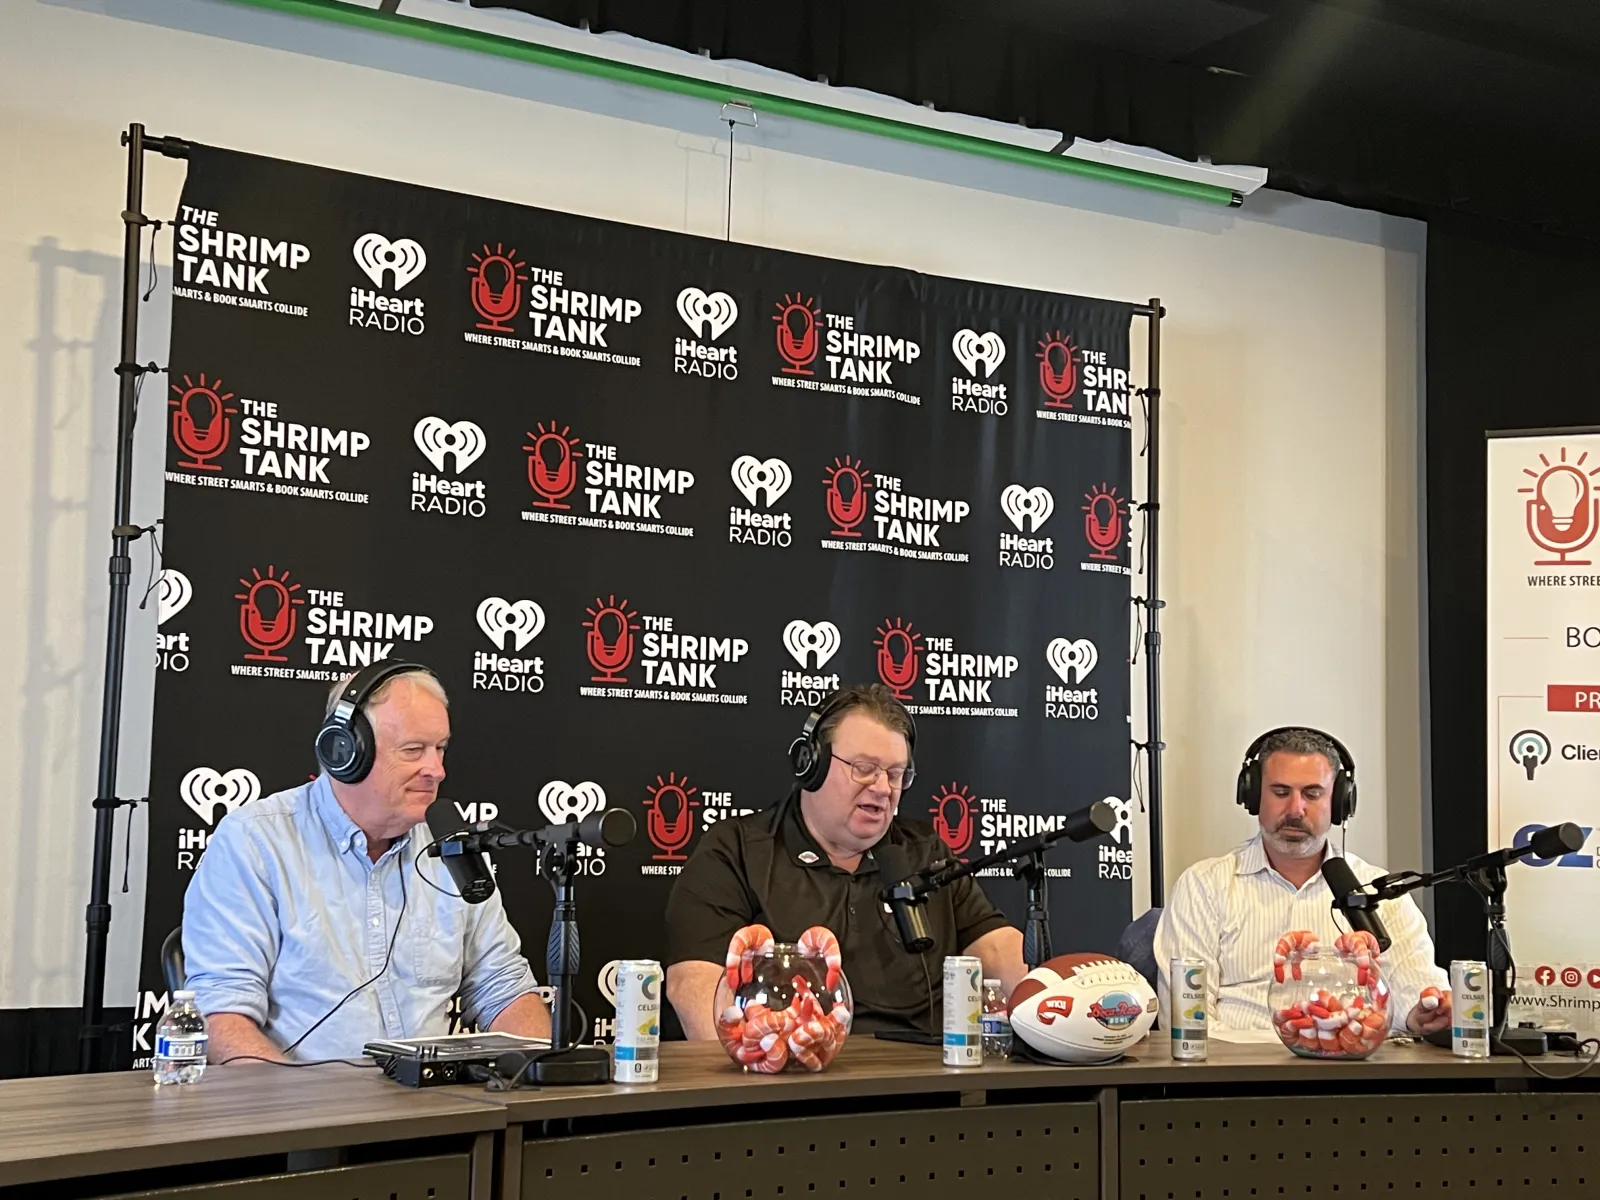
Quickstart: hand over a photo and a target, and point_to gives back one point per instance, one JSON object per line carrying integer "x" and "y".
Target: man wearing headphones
{"x": 811, "y": 860}
{"x": 1231, "y": 911}
{"x": 313, "y": 926}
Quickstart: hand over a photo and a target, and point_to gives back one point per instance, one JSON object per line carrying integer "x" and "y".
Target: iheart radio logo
{"x": 670, "y": 822}
{"x": 1124, "y": 811}
{"x": 752, "y": 476}
{"x": 520, "y": 620}
{"x": 801, "y": 638}
{"x": 700, "y": 311}
{"x": 608, "y": 981}
{"x": 376, "y": 254}
{"x": 952, "y": 817}
{"x": 1071, "y": 660}
{"x": 973, "y": 348}
{"x": 1024, "y": 505}
{"x": 203, "y": 788}
{"x": 439, "y": 440}
{"x": 561, "y": 801}
{"x": 173, "y": 592}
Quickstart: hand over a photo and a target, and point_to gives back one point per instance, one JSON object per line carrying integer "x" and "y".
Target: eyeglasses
{"x": 865, "y": 772}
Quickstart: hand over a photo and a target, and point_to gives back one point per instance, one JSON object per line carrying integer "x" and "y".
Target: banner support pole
{"x": 92, "y": 1034}
{"x": 1153, "y": 602}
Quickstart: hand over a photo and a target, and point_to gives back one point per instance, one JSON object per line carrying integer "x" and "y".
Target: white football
{"x": 1082, "y": 1008}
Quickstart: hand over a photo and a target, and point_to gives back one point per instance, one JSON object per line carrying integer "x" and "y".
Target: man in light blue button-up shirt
{"x": 309, "y": 903}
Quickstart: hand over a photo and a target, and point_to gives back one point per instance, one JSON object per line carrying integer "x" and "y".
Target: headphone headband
{"x": 1248, "y": 789}
{"x": 809, "y": 759}
{"x": 345, "y": 747}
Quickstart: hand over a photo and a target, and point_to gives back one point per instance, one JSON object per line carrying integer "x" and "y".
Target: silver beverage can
{"x": 1186, "y": 1007}
{"x": 636, "y": 1052}
{"x": 963, "y": 1011}
{"x": 1472, "y": 1008}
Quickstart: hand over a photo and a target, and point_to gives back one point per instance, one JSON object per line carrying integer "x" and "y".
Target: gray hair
{"x": 1301, "y": 741}
{"x": 423, "y": 678}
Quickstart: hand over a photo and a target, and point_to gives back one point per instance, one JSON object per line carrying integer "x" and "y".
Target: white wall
{"x": 1289, "y": 444}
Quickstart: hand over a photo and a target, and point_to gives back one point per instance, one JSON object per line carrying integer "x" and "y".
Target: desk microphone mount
{"x": 1096, "y": 820}
{"x": 1486, "y": 875}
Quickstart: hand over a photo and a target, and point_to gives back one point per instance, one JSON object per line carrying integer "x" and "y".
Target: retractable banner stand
{"x": 1544, "y": 707}
{"x": 640, "y": 499}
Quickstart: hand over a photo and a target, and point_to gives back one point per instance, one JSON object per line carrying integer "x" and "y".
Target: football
{"x": 1082, "y": 1008}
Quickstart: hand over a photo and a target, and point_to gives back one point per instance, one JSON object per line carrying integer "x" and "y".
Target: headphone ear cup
{"x": 345, "y": 752}
{"x": 1249, "y": 789}
{"x": 1344, "y": 798}
{"x": 811, "y": 763}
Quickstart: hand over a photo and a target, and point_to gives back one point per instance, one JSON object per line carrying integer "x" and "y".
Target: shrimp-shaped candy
{"x": 756, "y": 938}
{"x": 819, "y": 940}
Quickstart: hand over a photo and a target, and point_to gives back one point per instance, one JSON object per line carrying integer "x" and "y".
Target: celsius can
{"x": 635, "y": 1056}
{"x": 1187, "y": 1008}
{"x": 1473, "y": 1013}
{"x": 963, "y": 1011}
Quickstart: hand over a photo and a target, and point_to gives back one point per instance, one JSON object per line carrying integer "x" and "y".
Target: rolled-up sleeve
{"x": 495, "y": 972}
{"x": 231, "y": 933}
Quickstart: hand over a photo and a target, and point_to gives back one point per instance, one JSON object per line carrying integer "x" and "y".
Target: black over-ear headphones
{"x": 1248, "y": 793}
{"x": 345, "y": 746}
{"x": 809, "y": 759}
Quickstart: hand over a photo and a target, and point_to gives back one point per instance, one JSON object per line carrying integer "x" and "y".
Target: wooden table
{"x": 75, "y": 1126}
{"x": 886, "y": 1120}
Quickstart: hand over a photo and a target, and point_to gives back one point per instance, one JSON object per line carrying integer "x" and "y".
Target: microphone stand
{"x": 1036, "y": 925}
{"x": 565, "y": 1062}
{"x": 1487, "y": 877}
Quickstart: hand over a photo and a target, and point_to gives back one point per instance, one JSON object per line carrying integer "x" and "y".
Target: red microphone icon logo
{"x": 1058, "y": 368}
{"x": 671, "y": 820}
{"x": 1563, "y": 512}
{"x": 899, "y": 656}
{"x": 200, "y": 424}
{"x": 611, "y": 627}
{"x": 797, "y": 333}
{"x": 552, "y": 465}
{"x": 1104, "y": 521}
{"x": 847, "y": 483}
{"x": 496, "y": 286}
{"x": 266, "y": 613}
{"x": 952, "y": 817}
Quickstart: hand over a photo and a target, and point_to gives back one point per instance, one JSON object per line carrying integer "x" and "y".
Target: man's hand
{"x": 1422, "y": 1020}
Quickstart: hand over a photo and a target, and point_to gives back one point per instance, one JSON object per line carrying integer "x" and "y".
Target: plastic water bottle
{"x": 181, "y": 1042}
{"x": 996, "y": 1021}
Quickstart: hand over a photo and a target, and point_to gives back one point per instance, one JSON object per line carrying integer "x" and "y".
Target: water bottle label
{"x": 182, "y": 1046}
{"x": 996, "y": 1024}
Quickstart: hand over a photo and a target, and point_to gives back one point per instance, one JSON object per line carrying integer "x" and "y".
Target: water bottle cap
{"x": 994, "y": 983}
{"x": 182, "y": 995}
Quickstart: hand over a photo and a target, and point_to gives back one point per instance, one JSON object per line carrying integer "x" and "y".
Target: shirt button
{"x": 852, "y": 910}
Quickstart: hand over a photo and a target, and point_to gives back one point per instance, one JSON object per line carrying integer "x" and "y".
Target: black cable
{"x": 417, "y": 863}
{"x": 154, "y": 225}
{"x": 393, "y": 937}
{"x": 727, "y": 234}
{"x": 315, "y": 1062}
{"x": 156, "y": 555}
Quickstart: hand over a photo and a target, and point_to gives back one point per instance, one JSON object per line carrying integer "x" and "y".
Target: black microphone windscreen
{"x": 894, "y": 864}
{"x": 443, "y": 819}
{"x": 617, "y": 827}
{"x": 1556, "y": 840}
{"x": 1341, "y": 879}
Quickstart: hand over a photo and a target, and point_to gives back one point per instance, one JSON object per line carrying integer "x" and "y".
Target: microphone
{"x": 1551, "y": 842}
{"x": 609, "y": 829}
{"x": 1085, "y": 824}
{"x": 909, "y": 919}
{"x": 467, "y": 866}
{"x": 1344, "y": 885}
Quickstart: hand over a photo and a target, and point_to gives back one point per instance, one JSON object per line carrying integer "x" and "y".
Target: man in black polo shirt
{"x": 809, "y": 861}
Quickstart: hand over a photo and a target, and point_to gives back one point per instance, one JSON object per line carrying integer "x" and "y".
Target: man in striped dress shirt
{"x": 1230, "y": 911}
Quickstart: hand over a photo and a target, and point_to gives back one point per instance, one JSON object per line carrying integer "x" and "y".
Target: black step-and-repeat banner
{"x": 640, "y": 499}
